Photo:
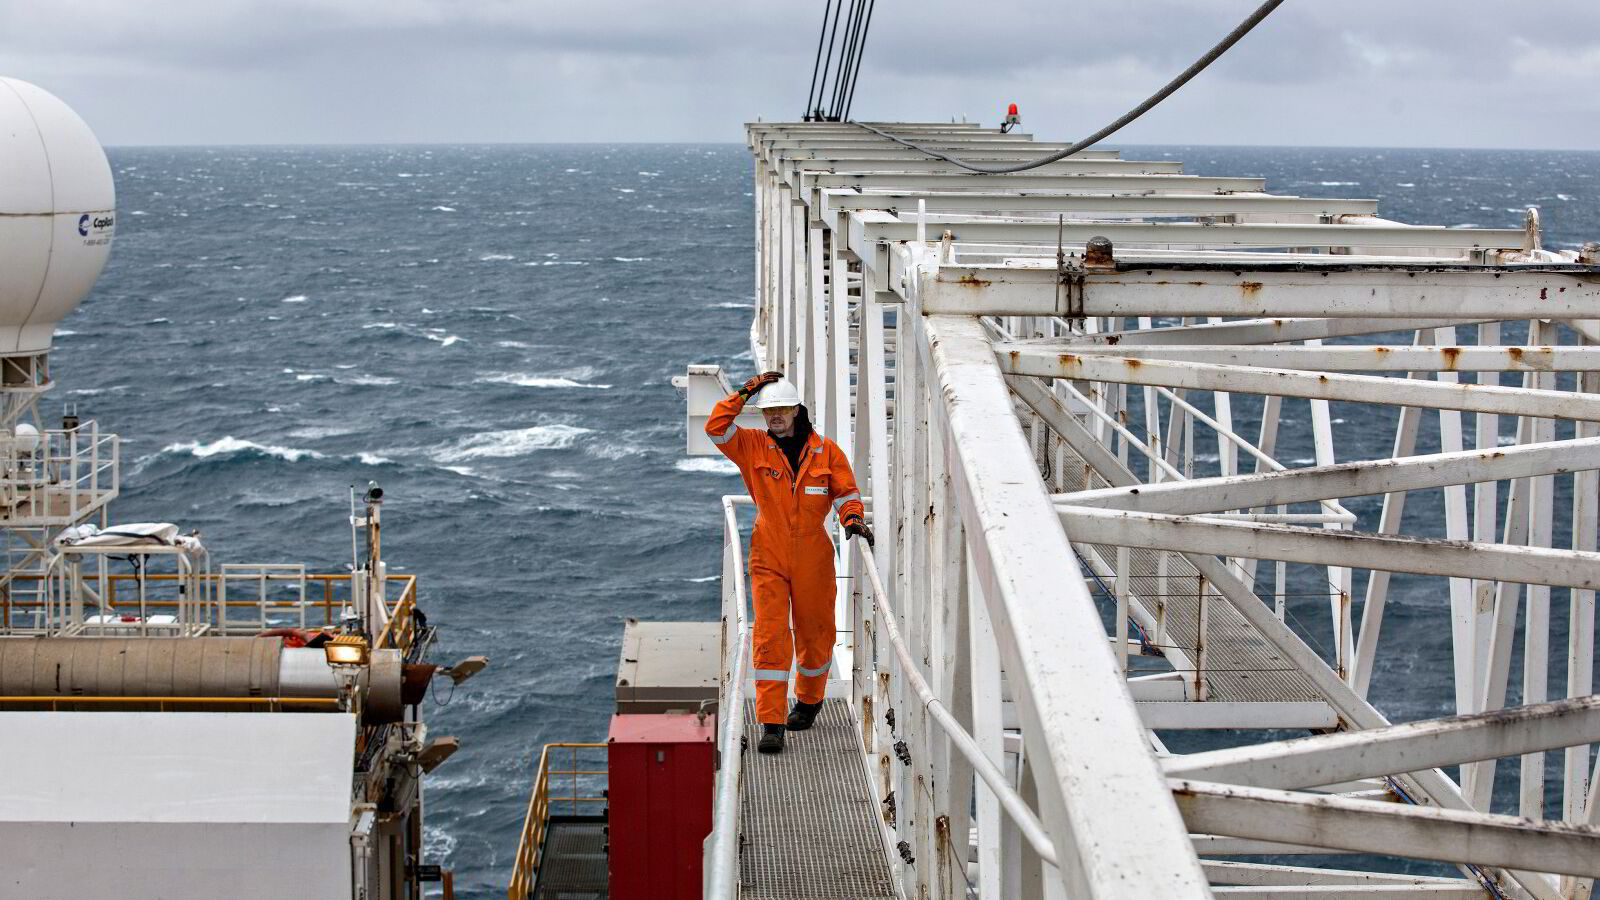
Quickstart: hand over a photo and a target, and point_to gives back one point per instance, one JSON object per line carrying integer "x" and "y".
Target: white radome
{"x": 57, "y": 214}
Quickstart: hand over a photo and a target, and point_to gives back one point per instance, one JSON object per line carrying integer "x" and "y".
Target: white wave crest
{"x": 522, "y": 379}
{"x": 708, "y": 465}
{"x": 376, "y": 380}
{"x": 437, "y": 843}
{"x": 444, "y": 209}
{"x": 230, "y": 444}
{"x": 297, "y": 298}
{"x": 514, "y": 442}
{"x": 493, "y": 257}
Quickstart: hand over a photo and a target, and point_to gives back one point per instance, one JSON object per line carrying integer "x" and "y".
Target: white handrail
{"x": 722, "y": 882}
{"x": 1027, "y": 823}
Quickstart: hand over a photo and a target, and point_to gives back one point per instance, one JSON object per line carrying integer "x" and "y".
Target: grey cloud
{"x": 446, "y": 70}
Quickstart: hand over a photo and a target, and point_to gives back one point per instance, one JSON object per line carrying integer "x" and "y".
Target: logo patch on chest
{"x": 817, "y": 490}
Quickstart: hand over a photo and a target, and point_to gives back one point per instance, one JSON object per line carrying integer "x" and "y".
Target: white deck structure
{"x": 1063, "y": 393}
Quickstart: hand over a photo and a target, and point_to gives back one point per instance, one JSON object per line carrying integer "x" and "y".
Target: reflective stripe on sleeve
{"x": 772, "y": 674}
{"x": 725, "y": 437}
{"x": 839, "y": 503}
{"x": 814, "y": 672}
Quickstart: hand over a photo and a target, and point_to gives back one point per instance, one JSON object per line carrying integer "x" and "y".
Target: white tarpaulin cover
{"x": 133, "y": 534}
{"x": 141, "y": 806}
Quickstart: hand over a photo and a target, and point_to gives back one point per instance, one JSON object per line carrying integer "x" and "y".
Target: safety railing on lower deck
{"x": 722, "y": 847}
{"x": 329, "y": 594}
{"x": 542, "y": 803}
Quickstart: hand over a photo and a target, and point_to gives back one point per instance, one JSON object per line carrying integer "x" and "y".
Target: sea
{"x": 488, "y": 332}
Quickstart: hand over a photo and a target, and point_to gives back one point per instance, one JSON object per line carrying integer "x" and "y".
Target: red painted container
{"x": 662, "y": 775}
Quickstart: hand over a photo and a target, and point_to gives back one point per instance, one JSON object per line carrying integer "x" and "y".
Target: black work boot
{"x": 803, "y": 714}
{"x": 771, "y": 739}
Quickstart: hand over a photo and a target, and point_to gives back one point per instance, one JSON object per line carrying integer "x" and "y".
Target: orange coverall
{"x": 791, "y": 557}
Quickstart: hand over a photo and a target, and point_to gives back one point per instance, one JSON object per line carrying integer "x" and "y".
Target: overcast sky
{"x": 1436, "y": 73}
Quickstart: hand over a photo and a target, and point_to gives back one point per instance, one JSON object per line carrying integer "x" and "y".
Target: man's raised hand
{"x": 759, "y": 382}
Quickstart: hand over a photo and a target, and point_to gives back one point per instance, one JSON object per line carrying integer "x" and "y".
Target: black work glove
{"x": 757, "y": 383}
{"x": 858, "y": 528}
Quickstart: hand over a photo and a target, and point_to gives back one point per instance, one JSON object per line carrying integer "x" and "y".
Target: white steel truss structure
{"x": 1097, "y": 409}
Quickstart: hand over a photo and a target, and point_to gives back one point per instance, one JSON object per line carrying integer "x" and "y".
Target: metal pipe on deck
{"x": 142, "y": 672}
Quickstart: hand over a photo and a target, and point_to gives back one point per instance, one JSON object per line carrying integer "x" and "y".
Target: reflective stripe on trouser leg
{"x": 814, "y": 633}
{"x": 772, "y": 648}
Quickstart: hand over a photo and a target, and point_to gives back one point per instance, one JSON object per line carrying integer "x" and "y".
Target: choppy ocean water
{"x": 488, "y": 331}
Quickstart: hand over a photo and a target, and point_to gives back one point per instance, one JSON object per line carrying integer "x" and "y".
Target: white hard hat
{"x": 779, "y": 393}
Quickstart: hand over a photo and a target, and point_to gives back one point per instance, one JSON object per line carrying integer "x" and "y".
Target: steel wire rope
{"x": 847, "y": 57}
{"x": 1183, "y": 78}
{"x": 817, "y": 62}
{"x": 827, "y": 62}
{"x": 855, "y": 74}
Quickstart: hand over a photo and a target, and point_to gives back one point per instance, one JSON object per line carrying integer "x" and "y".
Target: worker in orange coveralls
{"x": 796, "y": 477}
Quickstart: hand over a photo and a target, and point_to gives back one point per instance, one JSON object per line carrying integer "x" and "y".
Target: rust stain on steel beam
{"x": 1452, "y": 357}
{"x": 1249, "y": 288}
{"x": 972, "y": 281}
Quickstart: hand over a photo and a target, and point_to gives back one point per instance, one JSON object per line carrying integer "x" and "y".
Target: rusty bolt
{"x": 1097, "y": 253}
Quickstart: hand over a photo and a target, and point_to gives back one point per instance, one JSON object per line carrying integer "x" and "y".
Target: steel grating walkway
{"x": 1242, "y": 665}
{"x": 574, "y": 863}
{"x": 808, "y": 825}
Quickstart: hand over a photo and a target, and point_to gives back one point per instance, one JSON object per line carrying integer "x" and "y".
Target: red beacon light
{"x": 1012, "y": 119}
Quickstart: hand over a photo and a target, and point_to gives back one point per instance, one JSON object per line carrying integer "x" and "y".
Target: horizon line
{"x": 1106, "y": 144}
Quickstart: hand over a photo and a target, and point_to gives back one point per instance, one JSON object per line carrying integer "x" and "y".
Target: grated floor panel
{"x": 809, "y": 826}
{"x": 574, "y": 862}
{"x": 1242, "y": 665}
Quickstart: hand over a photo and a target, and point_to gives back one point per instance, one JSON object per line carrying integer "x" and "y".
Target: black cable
{"x": 827, "y": 62}
{"x": 847, "y": 59}
{"x": 1199, "y": 65}
{"x": 817, "y": 63}
{"x": 856, "y": 75}
{"x": 832, "y": 112}
{"x": 855, "y": 61}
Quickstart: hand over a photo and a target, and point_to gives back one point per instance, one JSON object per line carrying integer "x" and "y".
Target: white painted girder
{"x": 1242, "y": 331}
{"x": 1242, "y": 873}
{"x": 1352, "y": 479}
{"x": 1352, "y": 357}
{"x": 909, "y": 181}
{"x": 1413, "y": 746}
{"x": 1389, "y": 553}
{"x": 1465, "y": 396}
{"x": 1388, "y": 829}
{"x": 1461, "y": 891}
{"x": 1059, "y": 201}
{"x": 1384, "y": 292}
{"x": 878, "y": 226}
